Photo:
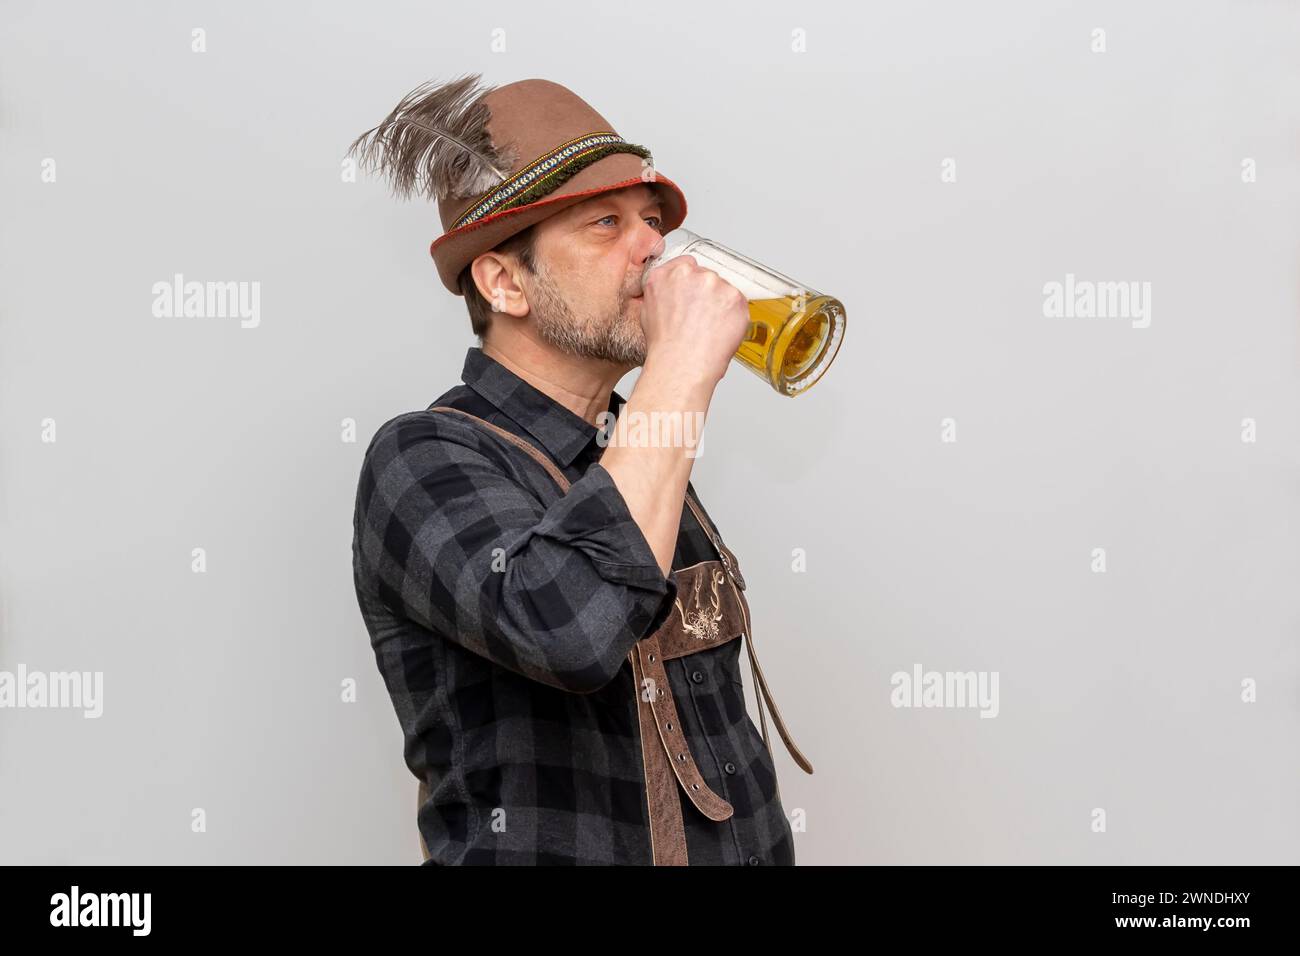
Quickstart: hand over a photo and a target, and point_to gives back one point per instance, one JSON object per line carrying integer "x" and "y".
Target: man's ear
{"x": 496, "y": 277}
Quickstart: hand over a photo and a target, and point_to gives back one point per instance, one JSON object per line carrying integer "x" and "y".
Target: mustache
{"x": 638, "y": 284}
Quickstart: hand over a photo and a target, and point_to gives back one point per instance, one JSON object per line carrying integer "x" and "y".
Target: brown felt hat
{"x": 561, "y": 151}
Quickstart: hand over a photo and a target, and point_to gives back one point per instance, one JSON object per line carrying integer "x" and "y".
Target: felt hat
{"x": 500, "y": 160}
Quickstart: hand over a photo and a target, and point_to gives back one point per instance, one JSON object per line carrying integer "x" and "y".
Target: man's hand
{"x": 694, "y": 320}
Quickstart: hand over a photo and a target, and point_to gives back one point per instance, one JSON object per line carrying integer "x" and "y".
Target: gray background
{"x": 1118, "y": 690}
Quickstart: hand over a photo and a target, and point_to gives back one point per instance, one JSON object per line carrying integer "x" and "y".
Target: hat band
{"x": 546, "y": 174}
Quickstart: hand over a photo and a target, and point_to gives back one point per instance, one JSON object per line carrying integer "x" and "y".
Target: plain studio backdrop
{"x": 944, "y": 499}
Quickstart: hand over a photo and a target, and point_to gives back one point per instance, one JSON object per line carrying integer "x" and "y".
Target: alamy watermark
{"x": 60, "y": 690}
{"x": 656, "y": 429}
{"x": 1085, "y": 299}
{"x": 76, "y": 908}
{"x": 970, "y": 689}
{"x": 179, "y": 299}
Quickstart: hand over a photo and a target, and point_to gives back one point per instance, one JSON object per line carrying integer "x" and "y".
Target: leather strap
{"x": 551, "y": 468}
{"x": 663, "y": 808}
{"x": 730, "y": 565}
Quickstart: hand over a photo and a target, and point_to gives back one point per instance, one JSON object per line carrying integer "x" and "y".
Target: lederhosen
{"x": 665, "y": 753}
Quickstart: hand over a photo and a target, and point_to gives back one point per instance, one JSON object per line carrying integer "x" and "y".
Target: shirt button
{"x": 729, "y": 767}
{"x": 697, "y": 677}
{"x": 753, "y": 861}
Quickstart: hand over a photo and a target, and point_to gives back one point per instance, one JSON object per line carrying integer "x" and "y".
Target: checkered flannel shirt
{"x": 501, "y": 612}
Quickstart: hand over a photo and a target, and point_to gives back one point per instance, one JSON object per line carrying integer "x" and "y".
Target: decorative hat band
{"x": 545, "y": 175}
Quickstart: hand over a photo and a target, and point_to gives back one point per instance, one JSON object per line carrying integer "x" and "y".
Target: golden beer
{"x": 794, "y": 332}
{"x": 792, "y": 341}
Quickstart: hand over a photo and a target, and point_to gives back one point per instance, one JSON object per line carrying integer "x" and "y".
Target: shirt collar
{"x": 555, "y": 427}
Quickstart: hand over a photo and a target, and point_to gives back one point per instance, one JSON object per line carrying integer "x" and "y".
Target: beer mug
{"x": 794, "y": 331}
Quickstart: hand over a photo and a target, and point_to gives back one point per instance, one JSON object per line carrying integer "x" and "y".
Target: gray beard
{"x": 615, "y": 338}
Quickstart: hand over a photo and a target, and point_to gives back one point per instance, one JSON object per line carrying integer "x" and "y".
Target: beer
{"x": 791, "y": 341}
{"x": 794, "y": 332}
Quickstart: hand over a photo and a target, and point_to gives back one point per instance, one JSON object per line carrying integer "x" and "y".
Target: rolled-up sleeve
{"x": 450, "y": 532}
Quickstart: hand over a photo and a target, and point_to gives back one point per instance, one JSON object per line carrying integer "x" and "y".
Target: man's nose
{"x": 651, "y": 247}
{"x": 658, "y": 249}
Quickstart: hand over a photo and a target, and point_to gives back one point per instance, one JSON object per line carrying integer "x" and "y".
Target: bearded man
{"x": 554, "y": 614}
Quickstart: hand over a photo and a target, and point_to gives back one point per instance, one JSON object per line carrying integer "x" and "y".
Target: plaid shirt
{"x": 501, "y": 613}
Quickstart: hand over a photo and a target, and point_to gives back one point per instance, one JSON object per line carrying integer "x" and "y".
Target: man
{"x": 519, "y": 572}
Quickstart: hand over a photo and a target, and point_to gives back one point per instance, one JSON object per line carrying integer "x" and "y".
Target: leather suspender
{"x": 665, "y": 752}
{"x": 730, "y": 564}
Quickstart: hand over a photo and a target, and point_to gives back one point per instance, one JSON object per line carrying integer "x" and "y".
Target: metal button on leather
{"x": 729, "y": 767}
{"x": 753, "y": 861}
{"x": 697, "y": 676}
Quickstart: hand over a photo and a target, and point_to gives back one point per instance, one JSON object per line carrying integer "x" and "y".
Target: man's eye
{"x": 658, "y": 222}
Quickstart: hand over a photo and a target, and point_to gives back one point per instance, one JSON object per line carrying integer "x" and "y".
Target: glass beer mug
{"x": 794, "y": 331}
